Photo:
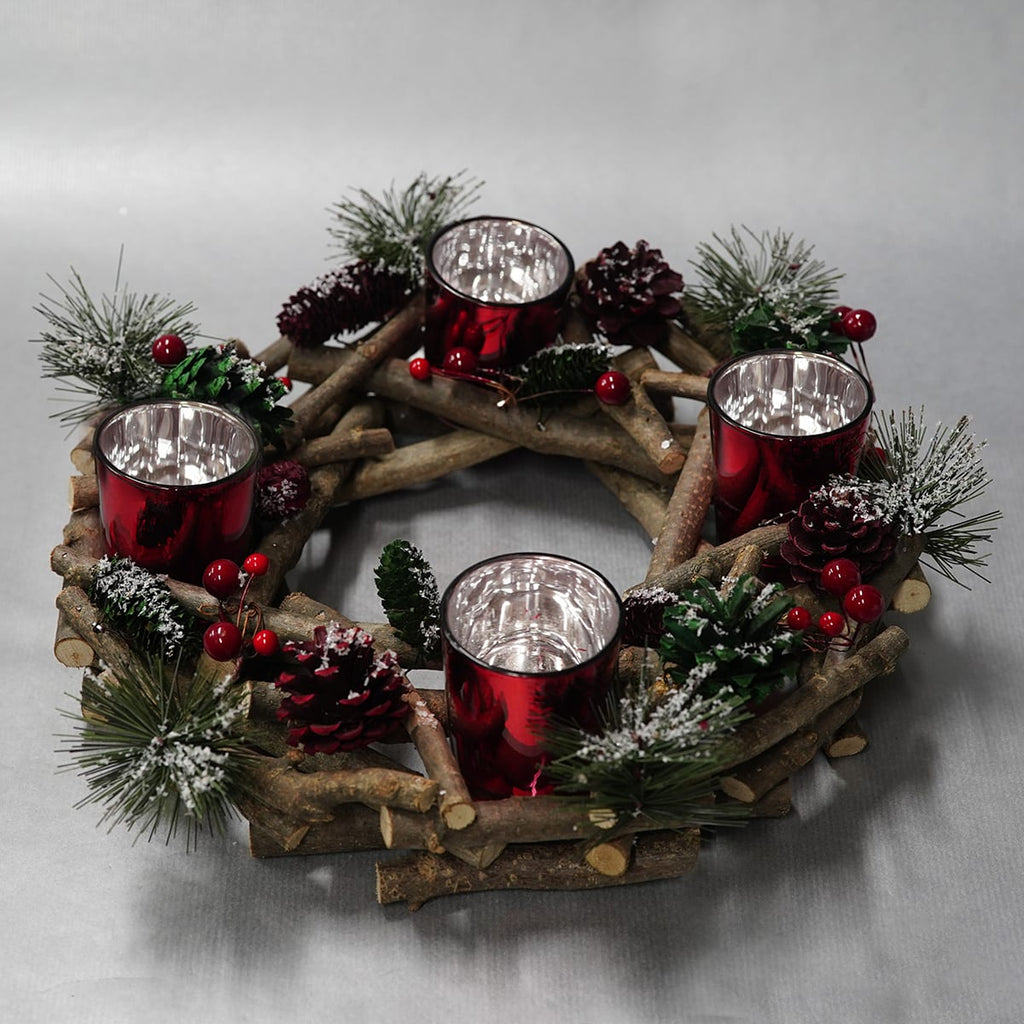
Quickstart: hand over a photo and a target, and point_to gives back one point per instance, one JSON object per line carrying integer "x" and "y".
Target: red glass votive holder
{"x": 496, "y": 286}
{"x": 528, "y": 640}
{"x": 782, "y": 422}
{"x": 176, "y": 481}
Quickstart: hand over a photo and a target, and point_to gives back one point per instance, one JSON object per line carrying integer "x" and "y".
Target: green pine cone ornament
{"x": 219, "y": 374}
{"x": 561, "y": 372}
{"x": 408, "y": 593}
{"x": 733, "y": 641}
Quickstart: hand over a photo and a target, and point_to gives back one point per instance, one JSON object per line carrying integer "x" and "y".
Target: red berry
{"x": 221, "y": 578}
{"x": 169, "y": 350}
{"x": 222, "y": 641}
{"x": 798, "y": 617}
{"x": 613, "y": 388}
{"x": 839, "y": 575}
{"x": 460, "y": 360}
{"x": 287, "y": 382}
{"x": 859, "y": 324}
{"x": 256, "y": 564}
{"x": 419, "y": 369}
{"x": 836, "y": 324}
{"x": 831, "y": 623}
{"x": 864, "y": 603}
{"x": 265, "y": 642}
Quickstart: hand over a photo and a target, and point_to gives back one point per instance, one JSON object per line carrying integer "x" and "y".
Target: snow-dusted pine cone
{"x": 839, "y": 520}
{"x": 629, "y": 294}
{"x": 345, "y": 300}
{"x": 282, "y": 490}
{"x": 340, "y": 696}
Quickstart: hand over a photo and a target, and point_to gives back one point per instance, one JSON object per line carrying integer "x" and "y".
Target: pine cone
{"x": 628, "y": 294}
{"x": 643, "y": 614}
{"x": 340, "y": 697}
{"x": 838, "y": 520}
{"x": 342, "y": 301}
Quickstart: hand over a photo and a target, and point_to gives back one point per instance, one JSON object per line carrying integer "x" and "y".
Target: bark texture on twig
{"x": 419, "y": 877}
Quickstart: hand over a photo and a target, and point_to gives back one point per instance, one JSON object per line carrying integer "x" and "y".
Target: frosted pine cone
{"x": 840, "y": 520}
{"x": 628, "y": 294}
{"x": 342, "y": 301}
{"x": 282, "y": 490}
{"x": 339, "y": 695}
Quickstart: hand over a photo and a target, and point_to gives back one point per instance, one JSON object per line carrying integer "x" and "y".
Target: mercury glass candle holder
{"x": 176, "y": 481}
{"x": 497, "y": 286}
{"x": 782, "y": 422}
{"x": 528, "y": 640}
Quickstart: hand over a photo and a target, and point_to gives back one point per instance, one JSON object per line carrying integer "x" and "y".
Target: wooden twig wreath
{"x": 660, "y": 471}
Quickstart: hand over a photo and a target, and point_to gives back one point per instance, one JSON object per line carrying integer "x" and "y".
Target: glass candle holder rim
{"x": 524, "y": 304}
{"x": 542, "y": 673}
{"x": 723, "y": 368}
{"x": 221, "y": 411}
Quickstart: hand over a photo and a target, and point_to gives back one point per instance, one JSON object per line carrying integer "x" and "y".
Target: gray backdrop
{"x": 208, "y": 140}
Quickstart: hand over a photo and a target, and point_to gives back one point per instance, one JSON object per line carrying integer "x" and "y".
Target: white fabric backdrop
{"x": 208, "y": 140}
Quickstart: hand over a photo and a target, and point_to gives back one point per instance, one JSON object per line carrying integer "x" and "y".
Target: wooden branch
{"x": 419, "y": 877}
{"x": 747, "y": 563}
{"x": 84, "y": 532}
{"x": 641, "y": 420}
{"x": 612, "y": 857}
{"x": 84, "y": 618}
{"x": 776, "y": 803}
{"x": 913, "y": 594}
{"x": 272, "y": 834}
{"x": 83, "y": 492}
{"x": 688, "y": 506}
{"x": 645, "y": 501}
{"x": 714, "y": 562}
{"x": 455, "y": 805}
{"x": 847, "y": 740}
{"x": 315, "y": 796}
{"x": 68, "y": 647}
{"x": 422, "y": 462}
{"x": 756, "y": 777}
{"x": 800, "y": 708}
{"x": 275, "y": 355}
{"x": 82, "y": 457}
{"x": 364, "y": 357}
{"x": 686, "y": 352}
{"x": 340, "y": 446}
{"x": 679, "y": 385}
{"x": 468, "y": 405}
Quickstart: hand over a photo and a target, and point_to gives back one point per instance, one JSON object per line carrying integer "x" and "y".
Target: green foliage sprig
{"x": 735, "y": 639}
{"x": 101, "y": 350}
{"x": 767, "y": 291}
{"x": 159, "y": 753}
{"x": 656, "y": 754}
{"x": 408, "y": 593}
{"x": 219, "y": 374}
{"x": 394, "y": 228}
{"x": 920, "y": 482}
{"x": 138, "y": 605}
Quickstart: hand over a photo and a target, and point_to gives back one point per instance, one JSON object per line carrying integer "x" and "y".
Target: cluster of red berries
{"x": 855, "y": 324}
{"x": 862, "y": 603}
{"x": 224, "y": 638}
{"x": 612, "y": 388}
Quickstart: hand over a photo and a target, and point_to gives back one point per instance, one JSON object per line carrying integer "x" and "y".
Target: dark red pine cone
{"x": 628, "y": 294}
{"x": 643, "y": 612}
{"x": 340, "y": 695}
{"x": 836, "y": 521}
{"x": 345, "y": 300}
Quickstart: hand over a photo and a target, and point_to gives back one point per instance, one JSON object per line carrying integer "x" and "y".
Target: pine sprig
{"x": 736, "y": 639}
{"x": 655, "y": 755}
{"x": 101, "y": 350}
{"x": 767, "y": 290}
{"x": 159, "y": 753}
{"x": 394, "y": 228}
{"x": 408, "y": 593}
{"x": 138, "y": 604}
{"x": 920, "y": 481}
